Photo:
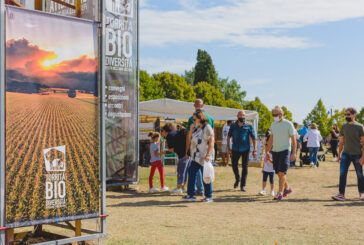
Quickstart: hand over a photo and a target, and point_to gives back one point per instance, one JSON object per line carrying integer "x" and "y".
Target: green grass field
{"x": 308, "y": 216}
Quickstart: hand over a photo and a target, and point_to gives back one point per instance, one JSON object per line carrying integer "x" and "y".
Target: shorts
{"x": 224, "y": 148}
{"x": 271, "y": 177}
{"x": 281, "y": 161}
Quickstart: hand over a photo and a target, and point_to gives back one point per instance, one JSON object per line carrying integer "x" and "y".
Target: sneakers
{"x": 315, "y": 166}
{"x": 176, "y": 190}
{"x": 262, "y": 192}
{"x": 243, "y": 189}
{"x": 153, "y": 189}
{"x": 207, "y": 200}
{"x": 311, "y": 164}
{"x": 339, "y": 197}
{"x": 190, "y": 199}
{"x": 272, "y": 193}
{"x": 278, "y": 197}
{"x": 165, "y": 188}
{"x": 361, "y": 196}
{"x": 287, "y": 191}
{"x": 334, "y": 159}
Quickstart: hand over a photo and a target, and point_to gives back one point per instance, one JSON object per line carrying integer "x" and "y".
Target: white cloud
{"x": 251, "y": 23}
{"x": 153, "y": 65}
{"x": 143, "y": 3}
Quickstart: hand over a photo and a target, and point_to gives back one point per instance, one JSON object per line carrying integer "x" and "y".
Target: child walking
{"x": 155, "y": 159}
{"x": 268, "y": 171}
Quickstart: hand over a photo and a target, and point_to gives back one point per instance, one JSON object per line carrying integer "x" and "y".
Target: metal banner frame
{"x": 91, "y": 234}
{"x": 2, "y": 122}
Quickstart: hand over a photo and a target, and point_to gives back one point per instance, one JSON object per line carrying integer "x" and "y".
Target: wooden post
{"x": 9, "y": 236}
{"x": 77, "y": 230}
{"x": 38, "y": 5}
{"x": 78, "y": 8}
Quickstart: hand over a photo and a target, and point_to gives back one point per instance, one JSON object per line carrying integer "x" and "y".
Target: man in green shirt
{"x": 282, "y": 138}
{"x": 351, "y": 149}
{"x": 199, "y": 106}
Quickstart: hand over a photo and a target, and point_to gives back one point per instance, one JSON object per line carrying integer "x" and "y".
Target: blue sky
{"x": 286, "y": 52}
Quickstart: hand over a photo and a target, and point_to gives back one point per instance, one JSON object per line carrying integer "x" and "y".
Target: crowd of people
{"x": 195, "y": 146}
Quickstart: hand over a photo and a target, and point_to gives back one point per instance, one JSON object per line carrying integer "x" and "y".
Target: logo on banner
{"x": 55, "y": 164}
{"x": 120, "y": 7}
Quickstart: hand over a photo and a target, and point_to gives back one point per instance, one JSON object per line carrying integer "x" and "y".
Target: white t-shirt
{"x": 225, "y": 132}
{"x": 268, "y": 166}
{"x": 200, "y": 144}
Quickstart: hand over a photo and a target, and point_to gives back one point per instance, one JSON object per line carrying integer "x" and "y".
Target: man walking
{"x": 351, "y": 149}
{"x": 198, "y": 106}
{"x": 241, "y": 133}
{"x": 283, "y": 139}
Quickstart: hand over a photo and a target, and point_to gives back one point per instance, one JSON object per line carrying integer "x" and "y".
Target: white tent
{"x": 183, "y": 110}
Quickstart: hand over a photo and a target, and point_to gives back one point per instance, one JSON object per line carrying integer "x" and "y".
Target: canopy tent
{"x": 183, "y": 110}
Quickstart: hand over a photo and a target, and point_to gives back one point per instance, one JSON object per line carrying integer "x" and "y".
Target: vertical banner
{"x": 52, "y": 113}
{"x": 121, "y": 90}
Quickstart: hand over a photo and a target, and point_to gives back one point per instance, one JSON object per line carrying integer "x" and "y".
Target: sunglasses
{"x": 347, "y": 114}
{"x": 275, "y": 115}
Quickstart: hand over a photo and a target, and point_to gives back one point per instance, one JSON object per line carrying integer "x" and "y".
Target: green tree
{"x": 175, "y": 86}
{"x": 360, "y": 116}
{"x": 204, "y": 70}
{"x": 319, "y": 116}
{"x": 209, "y": 94}
{"x": 265, "y": 115}
{"x": 189, "y": 76}
{"x": 338, "y": 117}
{"x": 232, "y": 90}
{"x": 150, "y": 89}
{"x": 287, "y": 114}
{"x": 233, "y": 104}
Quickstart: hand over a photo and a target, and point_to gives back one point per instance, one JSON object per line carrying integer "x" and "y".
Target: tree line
{"x": 203, "y": 82}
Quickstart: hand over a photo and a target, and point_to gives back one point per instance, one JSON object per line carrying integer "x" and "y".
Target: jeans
{"x": 199, "y": 182}
{"x": 313, "y": 154}
{"x": 345, "y": 162}
{"x": 192, "y": 172}
{"x": 271, "y": 177}
{"x": 235, "y": 162}
{"x": 182, "y": 169}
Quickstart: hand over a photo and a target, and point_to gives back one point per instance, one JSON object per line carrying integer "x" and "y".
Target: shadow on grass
{"x": 337, "y": 186}
{"x": 347, "y": 204}
{"x": 124, "y": 195}
{"x": 151, "y": 203}
{"x": 303, "y": 200}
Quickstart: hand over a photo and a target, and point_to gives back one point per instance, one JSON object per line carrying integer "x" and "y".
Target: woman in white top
{"x": 313, "y": 138}
{"x": 201, "y": 149}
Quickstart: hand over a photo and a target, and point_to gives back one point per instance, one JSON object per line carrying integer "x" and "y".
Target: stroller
{"x": 304, "y": 155}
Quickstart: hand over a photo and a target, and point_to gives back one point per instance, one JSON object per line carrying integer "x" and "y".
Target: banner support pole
{"x": 102, "y": 49}
{"x": 2, "y": 121}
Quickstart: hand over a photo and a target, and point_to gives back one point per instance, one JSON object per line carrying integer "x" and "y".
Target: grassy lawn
{"x": 307, "y": 216}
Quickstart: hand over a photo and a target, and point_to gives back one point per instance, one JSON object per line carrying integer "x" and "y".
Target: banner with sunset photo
{"x": 52, "y": 118}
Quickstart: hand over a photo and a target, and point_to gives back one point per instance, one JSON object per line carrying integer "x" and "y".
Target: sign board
{"x": 121, "y": 90}
{"x": 52, "y": 119}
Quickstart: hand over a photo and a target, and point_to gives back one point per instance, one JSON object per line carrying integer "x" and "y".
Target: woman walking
{"x": 201, "y": 148}
{"x": 313, "y": 138}
{"x": 334, "y": 141}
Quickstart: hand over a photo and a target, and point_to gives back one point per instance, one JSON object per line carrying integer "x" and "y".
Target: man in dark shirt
{"x": 241, "y": 132}
{"x": 351, "y": 149}
{"x": 176, "y": 142}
